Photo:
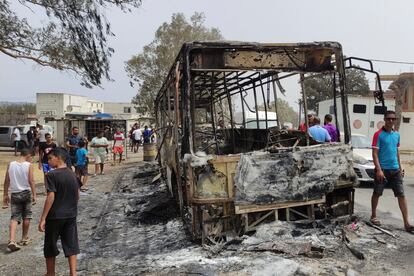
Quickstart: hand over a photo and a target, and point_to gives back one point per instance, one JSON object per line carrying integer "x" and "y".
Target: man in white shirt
{"x": 42, "y": 136}
{"x": 137, "y": 133}
{"x": 20, "y": 181}
{"x": 99, "y": 145}
{"x": 16, "y": 140}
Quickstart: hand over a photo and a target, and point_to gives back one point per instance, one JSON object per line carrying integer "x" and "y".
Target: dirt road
{"x": 129, "y": 226}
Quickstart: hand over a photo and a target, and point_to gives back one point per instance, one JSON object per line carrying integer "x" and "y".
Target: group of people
{"x": 58, "y": 219}
{"x": 36, "y": 135}
{"x": 139, "y": 137}
{"x": 322, "y": 134}
{"x": 62, "y": 184}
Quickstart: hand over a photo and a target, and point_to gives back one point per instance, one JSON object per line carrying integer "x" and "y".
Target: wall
{"x": 118, "y": 108}
{"x": 49, "y": 105}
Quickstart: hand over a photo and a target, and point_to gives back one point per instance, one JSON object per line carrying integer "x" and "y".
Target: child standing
{"x": 19, "y": 178}
{"x": 59, "y": 212}
{"x": 81, "y": 169}
{"x": 118, "y": 147}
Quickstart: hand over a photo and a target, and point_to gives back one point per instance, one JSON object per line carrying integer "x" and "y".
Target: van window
{"x": 359, "y": 108}
{"x": 378, "y": 109}
{"x": 4, "y": 130}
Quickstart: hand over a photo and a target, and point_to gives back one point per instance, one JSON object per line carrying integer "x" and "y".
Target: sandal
{"x": 84, "y": 189}
{"x": 25, "y": 241}
{"x": 13, "y": 246}
{"x": 375, "y": 221}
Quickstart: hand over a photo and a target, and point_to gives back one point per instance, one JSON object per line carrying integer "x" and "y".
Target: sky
{"x": 369, "y": 29}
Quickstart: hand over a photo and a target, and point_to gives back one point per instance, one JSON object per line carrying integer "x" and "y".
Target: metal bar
{"x": 213, "y": 114}
{"x": 231, "y": 115}
{"x": 344, "y": 99}
{"x": 279, "y": 123}
{"x": 255, "y": 106}
{"x": 264, "y": 100}
{"x": 242, "y": 103}
{"x": 305, "y": 106}
{"x": 336, "y": 108}
{"x": 193, "y": 113}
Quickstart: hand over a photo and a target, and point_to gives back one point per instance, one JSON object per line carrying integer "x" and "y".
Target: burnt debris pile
{"x": 138, "y": 222}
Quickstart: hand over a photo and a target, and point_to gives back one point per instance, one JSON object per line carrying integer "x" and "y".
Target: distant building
{"x": 121, "y": 110}
{"x": 63, "y": 111}
{"x": 53, "y": 106}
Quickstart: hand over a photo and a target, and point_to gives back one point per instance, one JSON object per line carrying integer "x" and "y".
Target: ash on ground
{"x": 136, "y": 229}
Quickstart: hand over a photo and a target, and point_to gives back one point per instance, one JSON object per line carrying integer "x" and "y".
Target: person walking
{"x": 318, "y": 133}
{"x": 386, "y": 156}
{"x": 20, "y": 181}
{"x": 58, "y": 219}
{"x": 16, "y": 140}
{"x": 137, "y": 134}
{"x": 82, "y": 165}
{"x": 72, "y": 142}
{"x": 35, "y": 141}
{"x": 30, "y": 138}
{"x": 44, "y": 150}
{"x": 131, "y": 137}
{"x": 42, "y": 135}
{"x": 100, "y": 145}
{"x": 118, "y": 147}
{"x": 332, "y": 130}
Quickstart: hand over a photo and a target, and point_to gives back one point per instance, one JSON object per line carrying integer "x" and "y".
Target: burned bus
{"x": 228, "y": 159}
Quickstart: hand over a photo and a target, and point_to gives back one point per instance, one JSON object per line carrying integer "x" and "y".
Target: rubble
{"x": 139, "y": 231}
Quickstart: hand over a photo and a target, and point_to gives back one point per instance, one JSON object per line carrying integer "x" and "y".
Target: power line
{"x": 392, "y": 61}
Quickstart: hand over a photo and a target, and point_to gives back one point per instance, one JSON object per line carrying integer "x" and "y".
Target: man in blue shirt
{"x": 72, "y": 142}
{"x": 386, "y": 156}
{"x": 318, "y": 133}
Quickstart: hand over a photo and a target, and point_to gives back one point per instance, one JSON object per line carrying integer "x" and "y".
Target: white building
{"x": 58, "y": 105}
{"x": 125, "y": 111}
{"x": 63, "y": 111}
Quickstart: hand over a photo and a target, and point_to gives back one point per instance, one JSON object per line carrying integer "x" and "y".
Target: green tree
{"x": 320, "y": 87}
{"x": 285, "y": 111}
{"x": 148, "y": 69}
{"x": 73, "y": 37}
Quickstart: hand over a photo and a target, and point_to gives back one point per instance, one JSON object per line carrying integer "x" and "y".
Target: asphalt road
{"x": 388, "y": 204}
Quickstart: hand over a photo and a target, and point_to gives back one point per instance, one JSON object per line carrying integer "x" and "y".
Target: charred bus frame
{"x": 195, "y": 112}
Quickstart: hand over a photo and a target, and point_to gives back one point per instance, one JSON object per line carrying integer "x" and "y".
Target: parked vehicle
{"x": 6, "y": 136}
{"x": 362, "y": 156}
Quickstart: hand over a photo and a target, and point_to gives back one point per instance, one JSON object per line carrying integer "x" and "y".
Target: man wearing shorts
{"x": 19, "y": 179}
{"x": 99, "y": 145}
{"x": 137, "y": 135}
{"x": 82, "y": 165}
{"x": 388, "y": 169}
{"x": 41, "y": 135}
{"x": 58, "y": 218}
{"x": 118, "y": 147}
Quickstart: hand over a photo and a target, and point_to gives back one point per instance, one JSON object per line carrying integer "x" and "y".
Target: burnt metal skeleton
{"x": 228, "y": 159}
